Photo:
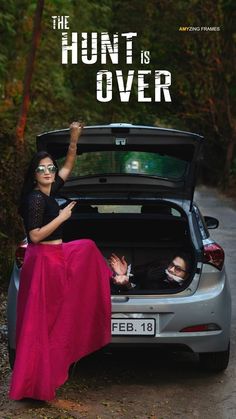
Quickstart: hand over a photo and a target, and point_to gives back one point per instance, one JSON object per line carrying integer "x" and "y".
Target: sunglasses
{"x": 41, "y": 169}
{"x": 177, "y": 268}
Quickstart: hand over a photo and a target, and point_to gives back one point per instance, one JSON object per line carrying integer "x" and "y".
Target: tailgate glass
{"x": 128, "y": 162}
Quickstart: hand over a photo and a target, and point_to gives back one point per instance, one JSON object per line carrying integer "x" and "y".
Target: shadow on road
{"x": 143, "y": 366}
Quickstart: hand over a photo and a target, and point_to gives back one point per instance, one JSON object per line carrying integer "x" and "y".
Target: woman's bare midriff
{"x": 58, "y": 241}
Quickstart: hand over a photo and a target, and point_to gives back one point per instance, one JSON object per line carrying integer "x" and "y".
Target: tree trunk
{"x": 228, "y": 163}
{"x": 232, "y": 141}
{"x": 20, "y": 129}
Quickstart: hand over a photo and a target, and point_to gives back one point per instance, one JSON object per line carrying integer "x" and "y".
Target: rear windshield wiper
{"x": 121, "y": 175}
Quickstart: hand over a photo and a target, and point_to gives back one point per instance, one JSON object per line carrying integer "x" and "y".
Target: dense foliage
{"x": 203, "y": 81}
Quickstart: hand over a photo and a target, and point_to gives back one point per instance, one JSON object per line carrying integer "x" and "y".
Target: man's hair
{"x": 186, "y": 257}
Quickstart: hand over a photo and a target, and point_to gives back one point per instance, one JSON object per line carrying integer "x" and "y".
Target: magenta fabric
{"x": 63, "y": 314}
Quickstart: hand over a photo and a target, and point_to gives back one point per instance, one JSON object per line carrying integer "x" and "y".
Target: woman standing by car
{"x": 63, "y": 309}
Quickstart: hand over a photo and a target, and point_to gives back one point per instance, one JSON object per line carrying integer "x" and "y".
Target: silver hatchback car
{"x": 135, "y": 186}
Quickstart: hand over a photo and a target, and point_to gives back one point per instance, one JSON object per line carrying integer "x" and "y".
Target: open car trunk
{"x": 149, "y": 236}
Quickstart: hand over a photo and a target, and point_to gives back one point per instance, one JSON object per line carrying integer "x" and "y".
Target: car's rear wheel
{"x": 11, "y": 356}
{"x": 215, "y": 361}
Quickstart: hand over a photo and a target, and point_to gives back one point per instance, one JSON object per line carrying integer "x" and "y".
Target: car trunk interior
{"x": 149, "y": 236}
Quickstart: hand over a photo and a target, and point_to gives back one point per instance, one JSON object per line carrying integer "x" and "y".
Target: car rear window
{"x": 128, "y": 162}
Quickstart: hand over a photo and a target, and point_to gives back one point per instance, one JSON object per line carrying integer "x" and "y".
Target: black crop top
{"x": 40, "y": 209}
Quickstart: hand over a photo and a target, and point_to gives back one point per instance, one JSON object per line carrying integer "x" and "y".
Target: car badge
{"x": 120, "y": 141}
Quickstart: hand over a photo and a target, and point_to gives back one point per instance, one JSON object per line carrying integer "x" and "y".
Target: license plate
{"x": 133, "y": 327}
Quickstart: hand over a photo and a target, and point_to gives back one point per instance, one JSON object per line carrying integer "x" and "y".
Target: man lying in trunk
{"x": 150, "y": 276}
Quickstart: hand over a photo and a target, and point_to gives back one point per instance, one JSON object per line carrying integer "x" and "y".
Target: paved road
{"x": 211, "y": 203}
{"x": 155, "y": 386}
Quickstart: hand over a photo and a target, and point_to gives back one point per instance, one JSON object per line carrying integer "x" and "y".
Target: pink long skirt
{"x": 63, "y": 314}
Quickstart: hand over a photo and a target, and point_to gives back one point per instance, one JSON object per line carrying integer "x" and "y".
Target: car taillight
{"x": 20, "y": 254}
{"x": 214, "y": 254}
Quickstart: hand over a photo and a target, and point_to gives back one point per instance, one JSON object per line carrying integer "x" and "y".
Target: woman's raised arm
{"x": 75, "y": 132}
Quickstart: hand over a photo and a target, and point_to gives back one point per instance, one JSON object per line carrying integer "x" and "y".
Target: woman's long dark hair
{"x": 29, "y": 179}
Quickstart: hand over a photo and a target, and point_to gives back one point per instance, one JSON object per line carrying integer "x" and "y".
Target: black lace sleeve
{"x": 59, "y": 182}
{"x": 36, "y": 206}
